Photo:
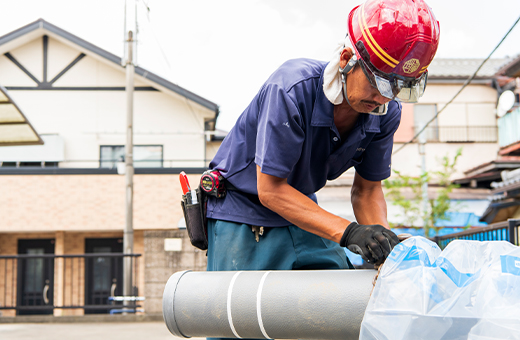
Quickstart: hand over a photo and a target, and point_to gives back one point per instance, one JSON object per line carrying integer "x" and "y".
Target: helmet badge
{"x": 411, "y": 65}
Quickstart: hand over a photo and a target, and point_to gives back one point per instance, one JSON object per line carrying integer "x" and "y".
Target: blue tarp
{"x": 420, "y": 231}
{"x": 460, "y": 219}
{"x": 455, "y": 222}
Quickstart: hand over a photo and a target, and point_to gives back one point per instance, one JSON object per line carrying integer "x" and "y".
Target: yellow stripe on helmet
{"x": 372, "y": 42}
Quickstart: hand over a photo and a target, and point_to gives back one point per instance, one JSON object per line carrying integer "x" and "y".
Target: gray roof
{"x": 464, "y": 67}
{"x": 40, "y": 23}
{"x": 511, "y": 68}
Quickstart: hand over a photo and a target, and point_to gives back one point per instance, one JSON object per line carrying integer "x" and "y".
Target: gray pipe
{"x": 325, "y": 304}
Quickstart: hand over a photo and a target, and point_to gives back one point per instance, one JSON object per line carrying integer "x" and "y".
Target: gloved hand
{"x": 373, "y": 242}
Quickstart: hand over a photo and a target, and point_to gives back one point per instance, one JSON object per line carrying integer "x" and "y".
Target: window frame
{"x": 135, "y": 145}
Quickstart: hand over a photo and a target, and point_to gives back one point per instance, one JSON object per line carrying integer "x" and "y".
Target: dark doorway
{"x": 103, "y": 275}
{"x": 36, "y": 277}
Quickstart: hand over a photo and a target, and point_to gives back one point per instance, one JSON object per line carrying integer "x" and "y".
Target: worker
{"x": 309, "y": 123}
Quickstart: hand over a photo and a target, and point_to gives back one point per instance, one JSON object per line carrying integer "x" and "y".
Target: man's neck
{"x": 345, "y": 118}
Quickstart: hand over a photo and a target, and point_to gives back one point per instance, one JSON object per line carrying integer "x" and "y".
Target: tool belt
{"x": 195, "y": 213}
{"x": 251, "y": 197}
{"x": 195, "y": 217}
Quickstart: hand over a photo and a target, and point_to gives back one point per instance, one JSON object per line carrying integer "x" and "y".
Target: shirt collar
{"x": 372, "y": 123}
{"x": 323, "y": 112}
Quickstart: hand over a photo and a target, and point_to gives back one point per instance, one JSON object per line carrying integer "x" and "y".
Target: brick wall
{"x": 87, "y": 202}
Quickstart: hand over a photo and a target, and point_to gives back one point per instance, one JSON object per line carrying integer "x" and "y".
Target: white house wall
{"x": 481, "y": 113}
{"x": 475, "y": 106}
{"x": 12, "y": 75}
{"x": 474, "y": 93}
{"x": 408, "y": 160}
{"x": 454, "y": 115}
{"x": 91, "y": 72}
{"x": 107, "y": 74}
{"x": 59, "y": 56}
{"x": 30, "y": 56}
{"x": 88, "y": 119}
{"x": 21, "y": 40}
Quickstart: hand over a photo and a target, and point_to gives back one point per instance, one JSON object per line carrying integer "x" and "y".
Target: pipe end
{"x": 168, "y": 303}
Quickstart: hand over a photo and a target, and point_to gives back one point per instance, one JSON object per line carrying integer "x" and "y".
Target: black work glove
{"x": 373, "y": 242}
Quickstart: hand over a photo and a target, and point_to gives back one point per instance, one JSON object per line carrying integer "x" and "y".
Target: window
{"x": 29, "y": 164}
{"x": 145, "y": 156}
{"x": 422, "y": 114}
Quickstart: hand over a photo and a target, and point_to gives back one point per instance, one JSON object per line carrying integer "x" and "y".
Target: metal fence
{"x": 503, "y": 231}
{"x": 40, "y": 283}
{"x": 461, "y": 134}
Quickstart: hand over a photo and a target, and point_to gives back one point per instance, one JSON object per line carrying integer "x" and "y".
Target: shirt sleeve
{"x": 280, "y": 135}
{"x": 377, "y": 159}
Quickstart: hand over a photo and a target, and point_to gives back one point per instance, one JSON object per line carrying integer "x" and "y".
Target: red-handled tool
{"x": 185, "y": 184}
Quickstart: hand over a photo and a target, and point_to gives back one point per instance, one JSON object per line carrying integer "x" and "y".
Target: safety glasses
{"x": 393, "y": 86}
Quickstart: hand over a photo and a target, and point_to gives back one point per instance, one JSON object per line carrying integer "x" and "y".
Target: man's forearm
{"x": 367, "y": 238}
{"x": 369, "y": 206}
{"x": 295, "y": 207}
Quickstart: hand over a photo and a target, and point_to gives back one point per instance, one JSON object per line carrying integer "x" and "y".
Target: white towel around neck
{"x": 332, "y": 86}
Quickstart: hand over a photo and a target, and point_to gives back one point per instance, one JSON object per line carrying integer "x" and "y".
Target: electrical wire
{"x": 145, "y": 4}
{"x": 466, "y": 83}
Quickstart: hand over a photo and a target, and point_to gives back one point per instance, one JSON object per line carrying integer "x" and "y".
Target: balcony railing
{"x": 461, "y": 134}
{"x": 38, "y": 284}
{"x": 509, "y": 128}
{"x": 504, "y": 231}
{"x": 110, "y": 164}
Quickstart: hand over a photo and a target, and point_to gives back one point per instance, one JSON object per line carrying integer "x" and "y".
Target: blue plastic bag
{"x": 471, "y": 290}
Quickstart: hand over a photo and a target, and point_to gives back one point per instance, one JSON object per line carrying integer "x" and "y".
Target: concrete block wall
{"x": 160, "y": 264}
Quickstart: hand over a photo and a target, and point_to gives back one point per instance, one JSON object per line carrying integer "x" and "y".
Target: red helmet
{"x": 395, "y": 39}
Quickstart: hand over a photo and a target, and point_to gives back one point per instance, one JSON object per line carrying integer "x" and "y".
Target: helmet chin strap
{"x": 378, "y": 111}
{"x": 344, "y": 84}
{"x": 343, "y": 71}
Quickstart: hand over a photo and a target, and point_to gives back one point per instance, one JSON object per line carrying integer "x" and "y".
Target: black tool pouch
{"x": 196, "y": 221}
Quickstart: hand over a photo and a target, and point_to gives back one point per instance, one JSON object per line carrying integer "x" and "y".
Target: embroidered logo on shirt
{"x": 360, "y": 149}
{"x": 286, "y": 124}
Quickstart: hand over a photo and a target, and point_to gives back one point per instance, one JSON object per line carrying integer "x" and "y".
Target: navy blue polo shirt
{"x": 289, "y": 131}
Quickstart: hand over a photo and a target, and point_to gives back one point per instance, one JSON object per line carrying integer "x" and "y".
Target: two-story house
{"x": 64, "y": 201}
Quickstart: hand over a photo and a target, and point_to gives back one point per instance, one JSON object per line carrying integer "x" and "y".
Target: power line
{"x": 145, "y": 4}
{"x": 466, "y": 83}
{"x": 165, "y": 58}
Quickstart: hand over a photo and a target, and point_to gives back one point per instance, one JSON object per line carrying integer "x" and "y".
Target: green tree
{"x": 437, "y": 207}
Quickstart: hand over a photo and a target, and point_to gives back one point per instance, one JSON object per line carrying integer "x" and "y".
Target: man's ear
{"x": 345, "y": 56}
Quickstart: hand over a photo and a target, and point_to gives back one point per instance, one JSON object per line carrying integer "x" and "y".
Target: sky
{"x": 225, "y": 50}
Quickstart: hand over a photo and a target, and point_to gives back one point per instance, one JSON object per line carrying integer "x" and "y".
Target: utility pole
{"x": 128, "y": 235}
{"x": 424, "y": 188}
